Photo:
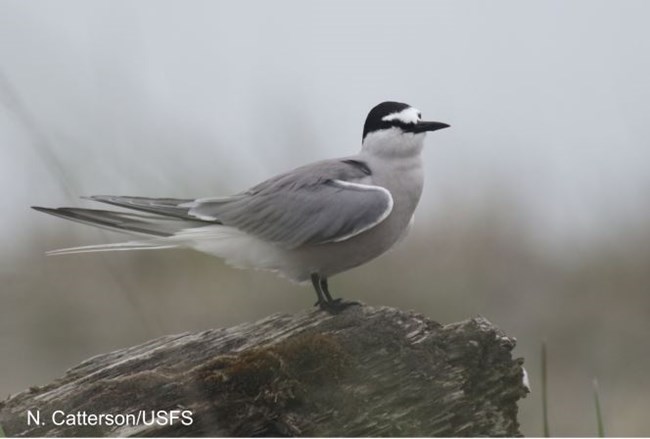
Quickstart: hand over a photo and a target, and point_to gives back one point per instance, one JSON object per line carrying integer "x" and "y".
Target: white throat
{"x": 393, "y": 143}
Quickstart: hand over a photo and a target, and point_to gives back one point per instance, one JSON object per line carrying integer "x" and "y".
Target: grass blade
{"x": 547, "y": 432}
{"x": 599, "y": 414}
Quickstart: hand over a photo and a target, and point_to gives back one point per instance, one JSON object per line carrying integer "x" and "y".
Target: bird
{"x": 307, "y": 224}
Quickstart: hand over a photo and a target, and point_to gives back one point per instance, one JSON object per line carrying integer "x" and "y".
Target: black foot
{"x": 336, "y": 306}
{"x": 325, "y": 301}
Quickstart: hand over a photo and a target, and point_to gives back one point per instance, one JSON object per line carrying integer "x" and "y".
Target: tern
{"x": 307, "y": 224}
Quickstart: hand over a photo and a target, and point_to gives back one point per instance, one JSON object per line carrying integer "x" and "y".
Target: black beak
{"x": 424, "y": 126}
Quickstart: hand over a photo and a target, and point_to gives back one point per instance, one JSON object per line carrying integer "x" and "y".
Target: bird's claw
{"x": 336, "y": 306}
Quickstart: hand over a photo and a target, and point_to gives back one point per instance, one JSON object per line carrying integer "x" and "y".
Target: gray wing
{"x": 316, "y": 204}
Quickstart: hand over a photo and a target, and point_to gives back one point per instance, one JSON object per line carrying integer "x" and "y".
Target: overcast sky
{"x": 548, "y": 101}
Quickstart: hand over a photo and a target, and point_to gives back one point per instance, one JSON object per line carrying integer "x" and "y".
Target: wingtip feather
{"x": 49, "y": 210}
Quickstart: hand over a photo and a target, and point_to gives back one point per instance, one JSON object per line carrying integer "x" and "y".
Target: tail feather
{"x": 167, "y": 228}
{"x": 128, "y": 222}
{"x": 120, "y": 246}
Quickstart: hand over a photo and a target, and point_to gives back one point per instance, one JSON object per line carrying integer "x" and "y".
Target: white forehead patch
{"x": 407, "y": 115}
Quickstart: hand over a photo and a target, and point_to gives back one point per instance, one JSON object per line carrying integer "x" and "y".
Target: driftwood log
{"x": 366, "y": 372}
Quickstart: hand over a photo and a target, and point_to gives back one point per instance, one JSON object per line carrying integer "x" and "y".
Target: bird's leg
{"x": 325, "y": 289}
{"x": 316, "y": 282}
{"x": 325, "y": 301}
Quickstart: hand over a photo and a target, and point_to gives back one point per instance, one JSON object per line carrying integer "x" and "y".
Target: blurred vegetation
{"x": 587, "y": 299}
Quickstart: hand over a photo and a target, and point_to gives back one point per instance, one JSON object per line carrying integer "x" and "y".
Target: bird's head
{"x": 396, "y": 129}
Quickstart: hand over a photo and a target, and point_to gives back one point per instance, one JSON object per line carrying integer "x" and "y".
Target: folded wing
{"x": 324, "y": 202}
{"x": 162, "y": 206}
{"x": 304, "y": 207}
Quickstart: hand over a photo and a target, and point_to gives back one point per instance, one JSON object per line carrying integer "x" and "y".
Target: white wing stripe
{"x": 366, "y": 187}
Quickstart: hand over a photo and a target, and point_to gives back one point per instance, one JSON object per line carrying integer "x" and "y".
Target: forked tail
{"x": 156, "y": 227}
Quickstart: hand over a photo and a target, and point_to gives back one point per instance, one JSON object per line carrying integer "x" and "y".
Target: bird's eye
{"x": 419, "y": 115}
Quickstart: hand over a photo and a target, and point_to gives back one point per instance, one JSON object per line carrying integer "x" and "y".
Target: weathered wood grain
{"x": 366, "y": 372}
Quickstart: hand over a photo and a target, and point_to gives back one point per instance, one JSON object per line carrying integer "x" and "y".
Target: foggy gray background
{"x": 535, "y": 212}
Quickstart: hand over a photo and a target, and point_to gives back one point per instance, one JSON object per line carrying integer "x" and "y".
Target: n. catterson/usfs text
{"x": 140, "y": 417}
